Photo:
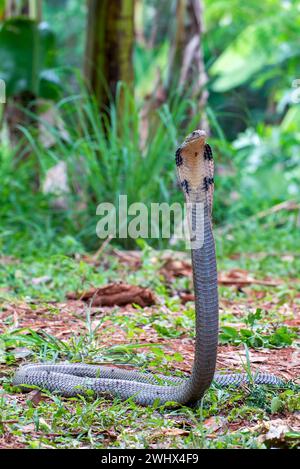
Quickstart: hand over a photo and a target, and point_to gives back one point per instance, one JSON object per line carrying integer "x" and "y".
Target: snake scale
{"x": 195, "y": 168}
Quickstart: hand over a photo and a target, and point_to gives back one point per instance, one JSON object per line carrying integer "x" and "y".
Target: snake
{"x": 195, "y": 169}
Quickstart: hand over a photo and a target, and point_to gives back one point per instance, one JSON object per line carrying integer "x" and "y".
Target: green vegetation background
{"x": 252, "y": 60}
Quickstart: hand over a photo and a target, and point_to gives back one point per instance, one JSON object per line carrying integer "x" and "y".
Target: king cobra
{"x": 195, "y": 167}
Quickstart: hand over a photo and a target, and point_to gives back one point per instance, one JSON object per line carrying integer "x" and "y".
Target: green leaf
{"x": 258, "y": 46}
{"x": 291, "y": 121}
{"x": 27, "y": 58}
{"x": 292, "y": 435}
{"x": 282, "y": 336}
{"x": 238, "y": 62}
{"x": 253, "y": 317}
{"x": 276, "y": 404}
{"x": 245, "y": 333}
{"x": 229, "y": 334}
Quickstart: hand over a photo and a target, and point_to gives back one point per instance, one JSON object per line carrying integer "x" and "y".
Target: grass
{"x": 76, "y": 423}
{"x": 159, "y": 339}
{"x": 105, "y": 158}
{"x": 45, "y": 255}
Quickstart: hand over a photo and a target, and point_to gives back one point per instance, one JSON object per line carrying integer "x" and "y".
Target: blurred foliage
{"x": 68, "y": 20}
{"x": 252, "y": 59}
{"x": 27, "y": 58}
{"x": 104, "y": 159}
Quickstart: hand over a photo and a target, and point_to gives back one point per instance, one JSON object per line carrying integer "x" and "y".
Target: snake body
{"x": 195, "y": 169}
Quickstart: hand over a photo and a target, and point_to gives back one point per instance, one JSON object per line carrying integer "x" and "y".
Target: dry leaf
{"x": 35, "y": 397}
{"x": 176, "y": 268}
{"x": 276, "y": 433}
{"x": 185, "y": 297}
{"x": 170, "y": 432}
{"x": 29, "y": 428}
{"x": 242, "y": 277}
{"x": 117, "y": 294}
{"x": 214, "y": 423}
{"x": 132, "y": 258}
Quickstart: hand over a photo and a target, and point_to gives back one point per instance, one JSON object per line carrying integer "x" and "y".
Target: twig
{"x": 97, "y": 254}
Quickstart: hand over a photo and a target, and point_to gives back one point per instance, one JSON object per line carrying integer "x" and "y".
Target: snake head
{"x": 198, "y": 136}
{"x": 192, "y": 148}
{"x": 193, "y": 143}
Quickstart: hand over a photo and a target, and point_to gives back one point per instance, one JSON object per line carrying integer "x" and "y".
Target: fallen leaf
{"x": 277, "y": 433}
{"x": 132, "y": 258}
{"x": 214, "y": 423}
{"x": 35, "y": 397}
{"x": 29, "y": 428}
{"x": 176, "y": 268}
{"x": 185, "y": 297}
{"x": 259, "y": 359}
{"x": 6, "y": 260}
{"x": 117, "y": 294}
{"x": 242, "y": 277}
{"x": 170, "y": 432}
{"x": 239, "y": 277}
{"x": 21, "y": 352}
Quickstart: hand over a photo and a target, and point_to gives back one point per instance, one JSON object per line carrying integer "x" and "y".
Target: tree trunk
{"x": 187, "y": 69}
{"x": 109, "y": 46}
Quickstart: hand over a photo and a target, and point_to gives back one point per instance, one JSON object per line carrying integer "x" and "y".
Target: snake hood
{"x": 195, "y": 168}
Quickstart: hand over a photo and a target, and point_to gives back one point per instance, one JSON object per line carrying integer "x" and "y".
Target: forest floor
{"x": 259, "y": 330}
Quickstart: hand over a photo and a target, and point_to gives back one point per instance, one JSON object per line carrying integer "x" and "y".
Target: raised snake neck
{"x": 195, "y": 169}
